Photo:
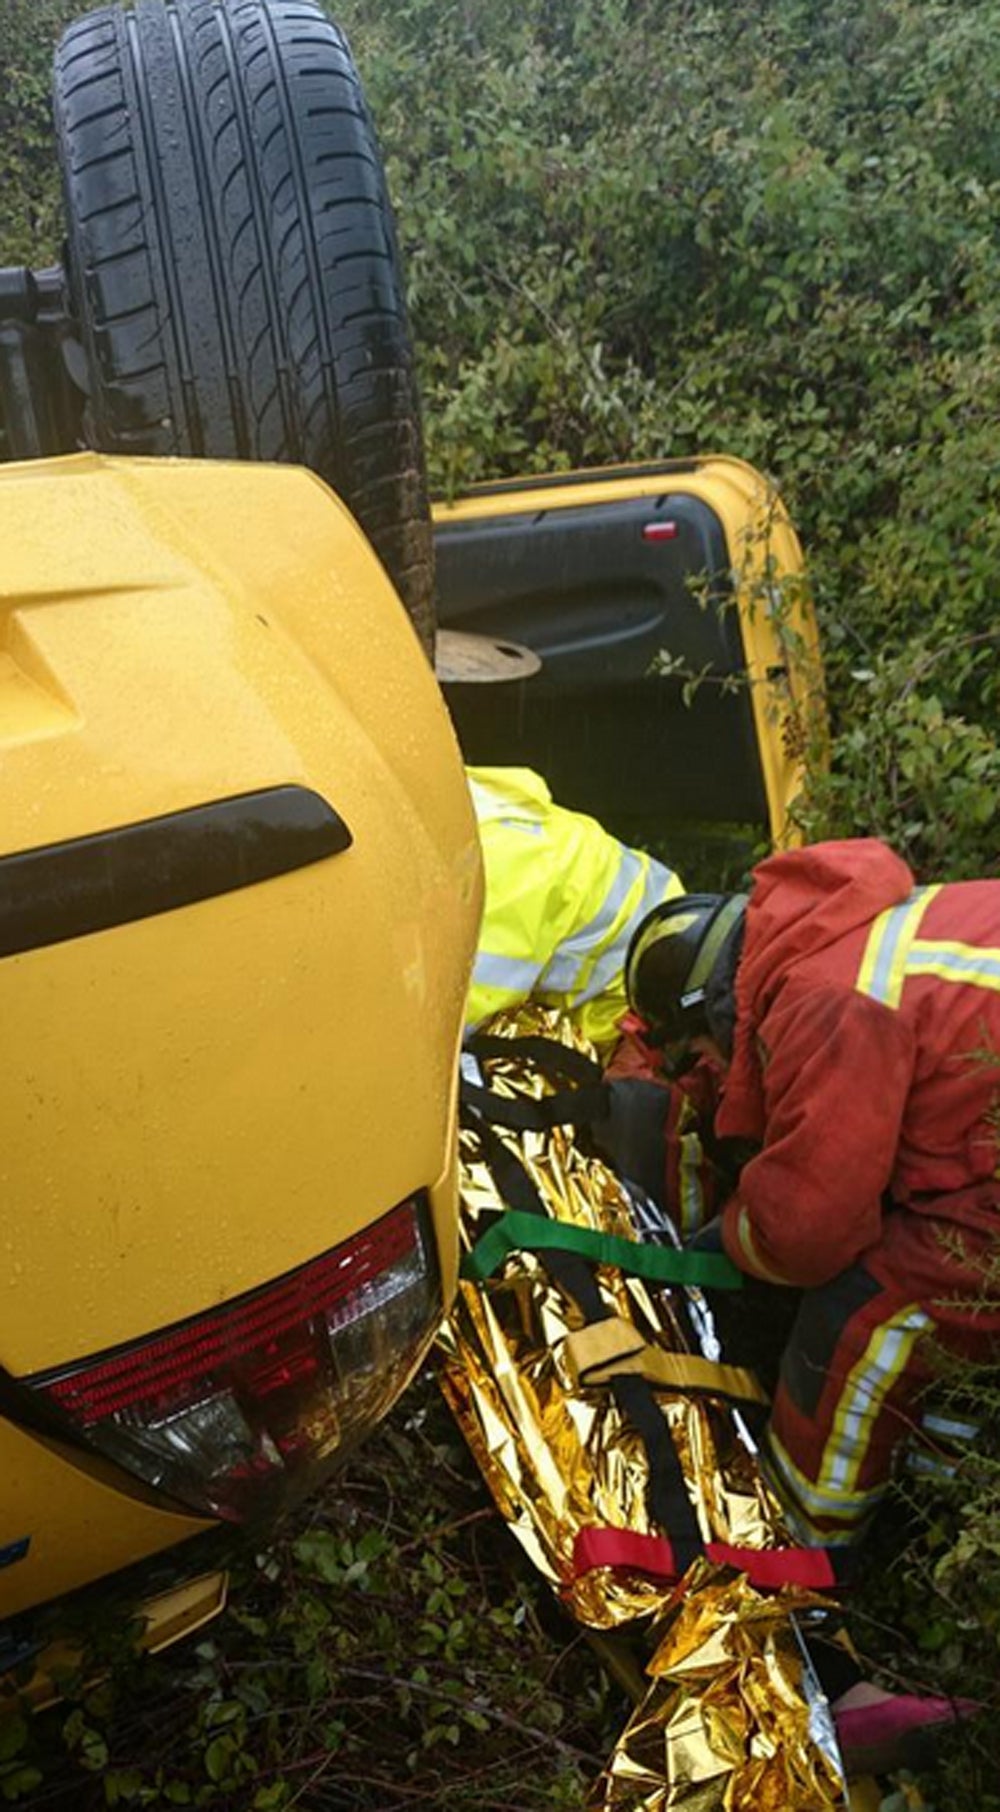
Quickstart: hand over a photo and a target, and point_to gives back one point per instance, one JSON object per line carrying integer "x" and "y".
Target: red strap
{"x": 623, "y": 1548}
{"x": 653, "y": 1554}
{"x": 808, "y": 1567}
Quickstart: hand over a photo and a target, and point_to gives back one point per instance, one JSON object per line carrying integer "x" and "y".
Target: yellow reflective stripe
{"x": 978, "y": 965}
{"x": 689, "y": 1176}
{"x": 800, "y": 1495}
{"x": 883, "y": 965}
{"x": 744, "y": 1233}
{"x": 869, "y": 1381}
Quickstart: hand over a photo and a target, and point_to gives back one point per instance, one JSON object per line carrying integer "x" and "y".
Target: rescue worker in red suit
{"x": 855, "y": 1020}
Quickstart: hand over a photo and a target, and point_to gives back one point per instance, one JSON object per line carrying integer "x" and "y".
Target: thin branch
{"x": 496, "y": 1716}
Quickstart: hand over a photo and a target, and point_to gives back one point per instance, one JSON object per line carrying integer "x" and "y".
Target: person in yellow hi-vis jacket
{"x": 563, "y": 898}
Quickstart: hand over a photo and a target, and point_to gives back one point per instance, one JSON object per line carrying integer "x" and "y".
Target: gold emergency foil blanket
{"x": 559, "y": 1459}
{"x": 734, "y": 1721}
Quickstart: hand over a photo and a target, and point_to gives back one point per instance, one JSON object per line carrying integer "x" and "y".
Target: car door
{"x": 679, "y": 682}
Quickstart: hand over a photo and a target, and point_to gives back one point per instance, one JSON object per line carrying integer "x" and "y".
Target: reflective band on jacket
{"x": 594, "y": 958}
{"x": 506, "y": 972}
{"x": 979, "y": 966}
{"x": 562, "y": 974}
{"x": 563, "y": 898}
{"x": 606, "y": 1349}
{"x": 810, "y": 1510}
{"x": 835, "y": 1494}
{"x": 518, "y": 1231}
{"x": 748, "y": 1246}
{"x": 883, "y": 966}
{"x": 692, "y": 1202}
{"x": 894, "y": 953}
{"x": 871, "y": 1378}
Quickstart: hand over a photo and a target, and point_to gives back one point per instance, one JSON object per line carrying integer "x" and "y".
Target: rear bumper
{"x": 163, "y": 1619}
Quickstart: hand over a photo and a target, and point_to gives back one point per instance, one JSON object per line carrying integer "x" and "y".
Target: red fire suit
{"x": 866, "y": 1066}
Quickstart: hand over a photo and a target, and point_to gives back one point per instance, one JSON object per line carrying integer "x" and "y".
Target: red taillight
{"x": 256, "y": 1393}
{"x": 251, "y": 1323}
{"x": 660, "y": 531}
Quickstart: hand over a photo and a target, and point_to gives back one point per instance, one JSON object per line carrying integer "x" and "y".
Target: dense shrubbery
{"x": 640, "y": 229}
{"x": 637, "y": 228}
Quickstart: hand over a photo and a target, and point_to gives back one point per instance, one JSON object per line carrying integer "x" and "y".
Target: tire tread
{"x": 231, "y": 216}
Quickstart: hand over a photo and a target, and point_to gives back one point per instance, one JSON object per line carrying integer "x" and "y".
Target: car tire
{"x": 232, "y": 259}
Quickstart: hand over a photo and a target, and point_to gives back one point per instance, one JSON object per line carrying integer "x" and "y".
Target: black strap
{"x": 666, "y": 1494}
{"x": 581, "y": 1105}
{"x": 547, "y": 1054}
{"x": 667, "y": 1497}
{"x": 520, "y": 1113}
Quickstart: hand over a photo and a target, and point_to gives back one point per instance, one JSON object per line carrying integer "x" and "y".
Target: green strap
{"x": 516, "y": 1231}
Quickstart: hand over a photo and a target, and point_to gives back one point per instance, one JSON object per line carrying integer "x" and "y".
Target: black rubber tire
{"x": 232, "y": 256}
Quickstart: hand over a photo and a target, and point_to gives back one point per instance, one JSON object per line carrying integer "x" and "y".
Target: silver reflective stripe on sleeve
{"x": 562, "y": 973}
{"x": 487, "y": 804}
{"x": 611, "y": 962}
{"x": 512, "y": 974}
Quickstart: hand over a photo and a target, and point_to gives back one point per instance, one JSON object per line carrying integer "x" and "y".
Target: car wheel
{"x": 232, "y": 260}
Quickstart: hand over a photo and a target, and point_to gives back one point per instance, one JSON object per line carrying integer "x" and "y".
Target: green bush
{"x": 637, "y": 230}
{"x": 30, "y": 219}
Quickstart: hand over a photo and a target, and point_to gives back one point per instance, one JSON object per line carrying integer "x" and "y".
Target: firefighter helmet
{"x": 671, "y": 959}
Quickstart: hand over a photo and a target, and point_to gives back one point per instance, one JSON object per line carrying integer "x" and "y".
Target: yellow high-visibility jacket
{"x": 563, "y": 898}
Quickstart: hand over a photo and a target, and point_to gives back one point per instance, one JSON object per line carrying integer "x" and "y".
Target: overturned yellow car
{"x": 238, "y": 868}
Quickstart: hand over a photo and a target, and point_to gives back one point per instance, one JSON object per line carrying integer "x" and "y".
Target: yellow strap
{"x": 606, "y": 1349}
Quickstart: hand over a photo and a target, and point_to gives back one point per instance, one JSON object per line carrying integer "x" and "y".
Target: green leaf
{"x": 122, "y": 1786}
{"x": 23, "y": 1780}
{"x": 13, "y": 1736}
{"x": 319, "y": 1553}
{"x": 270, "y": 1798}
{"x": 218, "y": 1758}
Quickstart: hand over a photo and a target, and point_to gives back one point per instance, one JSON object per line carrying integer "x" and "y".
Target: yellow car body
{"x": 202, "y": 1095}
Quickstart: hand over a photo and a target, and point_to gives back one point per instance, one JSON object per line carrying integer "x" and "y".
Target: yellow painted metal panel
{"x": 197, "y": 1102}
{"x": 80, "y": 1527}
{"x": 168, "y": 1618}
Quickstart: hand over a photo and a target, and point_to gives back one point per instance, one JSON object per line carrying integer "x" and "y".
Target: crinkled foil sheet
{"x": 734, "y": 1719}
{"x": 559, "y": 1459}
